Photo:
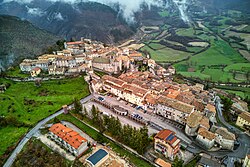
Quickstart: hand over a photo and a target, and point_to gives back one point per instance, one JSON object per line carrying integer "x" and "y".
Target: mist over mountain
{"x": 20, "y": 39}
{"x": 109, "y": 21}
{"x": 91, "y": 20}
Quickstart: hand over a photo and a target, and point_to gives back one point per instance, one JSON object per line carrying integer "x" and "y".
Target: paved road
{"x": 29, "y": 79}
{"x": 21, "y": 144}
{"x": 243, "y": 139}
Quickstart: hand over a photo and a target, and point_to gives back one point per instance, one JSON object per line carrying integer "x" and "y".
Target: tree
{"x": 85, "y": 112}
{"x": 94, "y": 114}
{"x": 72, "y": 39}
{"x": 177, "y": 162}
{"x": 101, "y": 124}
{"x": 38, "y": 82}
{"x": 77, "y": 105}
{"x": 234, "y": 74}
{"x": 145, "y": 138}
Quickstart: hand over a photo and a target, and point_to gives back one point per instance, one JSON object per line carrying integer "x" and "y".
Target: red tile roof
{"x": 113, "y": 80}
{"x": 36, "y": 69}
{"x": 68, "y": 135}
{"x": 74, "y": 43}
{"x": 168, "y": 136}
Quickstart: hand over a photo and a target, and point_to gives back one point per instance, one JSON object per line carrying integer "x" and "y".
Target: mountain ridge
{"x": 21, "y": 39}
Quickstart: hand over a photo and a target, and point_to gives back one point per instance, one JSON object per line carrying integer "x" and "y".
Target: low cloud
{"x": 58, "y": 16}
{"x": 35, "y": 11}
{"x": 127, "y": 7}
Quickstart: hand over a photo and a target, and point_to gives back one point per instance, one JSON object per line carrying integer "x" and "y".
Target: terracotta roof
{"x": 211, "y": 108}
{"x": 205, "y": 122}
{"x": 205, "y": 133}
{"x": 198, "y": 105}
{"x": 75, "y": 43}
{"x": 135, "y": 54}
{"x": 138, "y": 82}
{"x": 245, "y": 116}
{"x": 163, "y": 134}
{"x": 114, "y": 80}
{"x": 194, "y": 119}
{"x": 178, "y": 105}
{"x": 171, "y": 93}
{"x": 123, "y": 58}
{"x": 68, "y": 135}
{"x": 162, "y": 163}
{"x": 186, "y": 97}
{"x": 36, "y": 69}
{"x": 225, "y": 133}
{"x": 151, "y": 99}
{"x": 42, "y": 62}
{"x": 138, "y": 91}
{"x": 168, "y": 136}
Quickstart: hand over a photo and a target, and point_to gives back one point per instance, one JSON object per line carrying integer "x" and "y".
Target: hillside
{"x": 85, "y": 19}
{"x": 20, "y": 39}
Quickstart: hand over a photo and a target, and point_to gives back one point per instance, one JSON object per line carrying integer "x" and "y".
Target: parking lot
{"x": 149, "y": 115}
{"x": 124, "y": 120}
{"x": 156, "y": 123}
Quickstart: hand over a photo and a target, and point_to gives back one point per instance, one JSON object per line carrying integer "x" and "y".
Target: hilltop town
{"x": 132, "y": 90}
{"x": 86, "y": 56}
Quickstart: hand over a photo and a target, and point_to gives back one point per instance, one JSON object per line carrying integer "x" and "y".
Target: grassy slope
{"x": 238, "y": 67}
{"x": 166, "y": 54}
{"x": 16, "y": 72}
{"x": 58, "y": 93}
{"x": 220, "y": 53}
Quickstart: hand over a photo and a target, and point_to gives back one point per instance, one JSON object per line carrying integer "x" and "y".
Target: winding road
{"x": 28, "y": 136}
{"x": 243, "y": 138}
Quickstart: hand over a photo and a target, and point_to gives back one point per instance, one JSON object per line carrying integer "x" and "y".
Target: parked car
{"x": 101, "y": 98}
{"x": 105, "y": 113}
{"x": 138, "y": 107}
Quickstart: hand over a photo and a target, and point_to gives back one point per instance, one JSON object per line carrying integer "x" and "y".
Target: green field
{"x": 247, "y": 28}
{"x": 196, "y": 74}
{"x": 16, "y": 72}
{"x": 166, "y": 54}
{"x": 241, "y": 94}
{"x": 185, "y": 32}
{"x": 245, "y": 67}
{"x": 164, "y": 13}
{"x": 240, "y": 91}
{"x": 213, "y": 61}
{"x": 28, "y": 104}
